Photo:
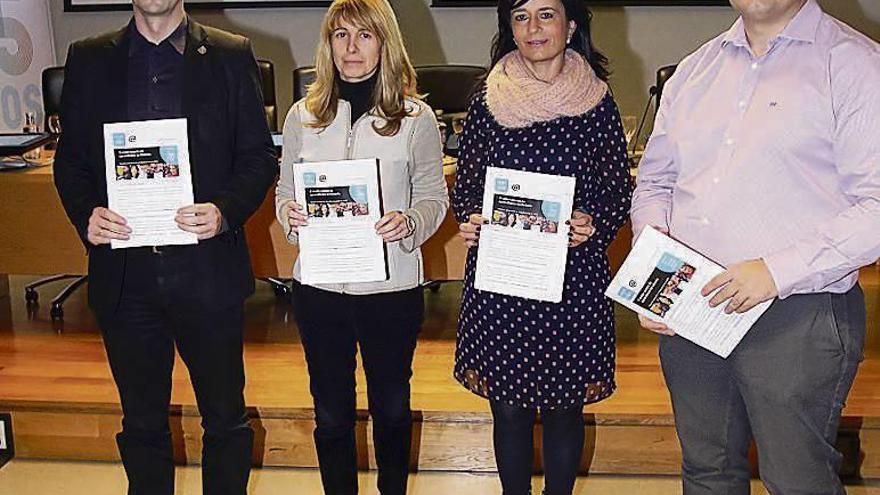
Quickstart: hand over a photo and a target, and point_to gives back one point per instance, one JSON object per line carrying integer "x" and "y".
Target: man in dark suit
{"x": 149, "y": 300}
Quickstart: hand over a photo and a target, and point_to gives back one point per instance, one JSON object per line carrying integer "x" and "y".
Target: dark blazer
{"x": 231, "y": 152}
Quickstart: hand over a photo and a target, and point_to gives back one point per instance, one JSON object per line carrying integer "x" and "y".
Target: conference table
{"x": 39, "y": 240}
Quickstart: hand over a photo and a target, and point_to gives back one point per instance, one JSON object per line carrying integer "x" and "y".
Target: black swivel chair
{"x": 654, "y": 95}
{"x": 302, "y": 78}
{"x": 449, "y": 87}
{"x": 281, "y": 286}
{"x": 270, "y": 105}
{"x": 53, "y": 80}
{"x": 663, "y": 75}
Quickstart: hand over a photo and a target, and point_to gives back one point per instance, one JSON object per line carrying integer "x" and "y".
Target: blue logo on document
{"x": 169, "y": 154}
{"x": 626, "y": 293}
{"x": 118, "y": 139}
{"x": 310, "y": 179}
{"x": 358, "y": 193}
{"x": 501, "y": 184}
{"x": 550, "y": 210}
{"x": 669, "y": 263}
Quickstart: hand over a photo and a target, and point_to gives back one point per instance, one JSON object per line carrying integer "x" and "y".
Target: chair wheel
{"x": 433, "y": 286}
{"x": 57, "y": 313}
{"x": 280, "y": 290}
{"x": 31, "y": 295}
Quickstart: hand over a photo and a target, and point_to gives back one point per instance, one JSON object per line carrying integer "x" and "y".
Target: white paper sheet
{"x": 661, "y": 279}
{"x": 523, "y": 249}
{"x": 148, "y": 179}
{"x": 340, "y": 244}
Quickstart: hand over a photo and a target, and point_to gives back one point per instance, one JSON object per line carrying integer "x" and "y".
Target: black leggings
{"x": 514, "y": 447}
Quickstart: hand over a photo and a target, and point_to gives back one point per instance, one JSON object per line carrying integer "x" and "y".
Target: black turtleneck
{"x": 358, "y": 94}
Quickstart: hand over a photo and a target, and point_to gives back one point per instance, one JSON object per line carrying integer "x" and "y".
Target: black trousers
{"x": 161, "y": 309}
{"x": 563, "y": 442}
{"x": 385, "y": 327}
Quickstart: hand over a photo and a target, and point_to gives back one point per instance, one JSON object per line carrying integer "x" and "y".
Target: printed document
{"x": 340, "y": 244}
{"x": 661, "y": 279}
{"x": 148, "y": 179}
{"x": 523, "y": 250}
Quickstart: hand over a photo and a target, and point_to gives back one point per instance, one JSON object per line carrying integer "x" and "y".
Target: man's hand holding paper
{"x": 745, "y": 285}
{"x": 204, "y": 219}
{"x": 149, "y": 188}
{"x": 104, "y": 225}
{"x": 669, "y": 285}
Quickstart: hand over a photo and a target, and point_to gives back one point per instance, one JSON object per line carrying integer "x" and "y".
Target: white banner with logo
{"x": 26, "y": 48}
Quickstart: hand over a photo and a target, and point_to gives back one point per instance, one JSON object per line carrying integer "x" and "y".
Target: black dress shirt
{"x": 155, "y": 75}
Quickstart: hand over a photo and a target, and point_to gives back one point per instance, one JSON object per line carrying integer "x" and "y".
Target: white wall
{"x": 637, "y": 40}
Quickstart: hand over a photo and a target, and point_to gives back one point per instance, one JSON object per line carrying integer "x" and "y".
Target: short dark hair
{"x": 581, "y": 41}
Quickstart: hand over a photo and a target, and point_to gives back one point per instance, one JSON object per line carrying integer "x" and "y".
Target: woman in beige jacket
{"x": 364, "y": 105}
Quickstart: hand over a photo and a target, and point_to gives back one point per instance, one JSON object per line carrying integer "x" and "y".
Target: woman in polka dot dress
{"x": 545, "y": 107}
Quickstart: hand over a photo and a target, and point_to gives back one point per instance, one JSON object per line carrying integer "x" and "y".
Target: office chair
{"x": 302, "y": 77}
{"x": 449, "y": 87}
{"x": 281, "y": 286}
{"x": 654, "y": 95}
{"x": 663, "y": 75}
{"x": 267, "y": 82}
{"x": 53, "y": 81}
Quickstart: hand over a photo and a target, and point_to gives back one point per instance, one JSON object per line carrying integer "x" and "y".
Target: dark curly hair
{"x": 581, "y": 41}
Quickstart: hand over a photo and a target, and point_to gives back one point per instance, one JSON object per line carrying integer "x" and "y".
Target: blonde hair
{"x": 397, "y": 78}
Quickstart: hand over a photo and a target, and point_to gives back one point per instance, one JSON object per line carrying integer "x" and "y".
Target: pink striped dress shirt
{"x": 774, "y": 157}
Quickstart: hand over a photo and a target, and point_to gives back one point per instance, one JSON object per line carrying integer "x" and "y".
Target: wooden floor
{"x": 43, "y": 366}
{"x": 40, "y": 363}
{"x": 91, "y": 478}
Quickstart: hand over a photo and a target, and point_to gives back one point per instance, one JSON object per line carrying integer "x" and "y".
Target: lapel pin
{"x": 202, "y": 50}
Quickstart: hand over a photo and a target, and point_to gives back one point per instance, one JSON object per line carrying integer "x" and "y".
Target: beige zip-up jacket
{"x": 411, "y": 175}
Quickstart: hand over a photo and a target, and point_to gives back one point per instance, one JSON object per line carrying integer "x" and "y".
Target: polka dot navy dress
{"x": 529, "y": 353}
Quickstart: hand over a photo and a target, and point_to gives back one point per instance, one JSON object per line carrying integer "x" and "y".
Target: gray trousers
{"x": 785, "y": 385}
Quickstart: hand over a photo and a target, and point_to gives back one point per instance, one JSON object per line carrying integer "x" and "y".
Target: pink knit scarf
{"x": 516, "y": 98}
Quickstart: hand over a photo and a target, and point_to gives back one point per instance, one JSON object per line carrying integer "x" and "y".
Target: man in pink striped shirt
{"x": 765, "y": 157}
